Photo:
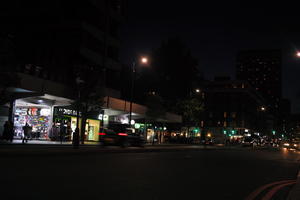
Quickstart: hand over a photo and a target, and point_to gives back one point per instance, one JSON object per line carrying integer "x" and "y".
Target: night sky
{"x": 215, "y": 32}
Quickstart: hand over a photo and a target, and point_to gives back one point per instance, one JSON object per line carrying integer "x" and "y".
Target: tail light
{"x": 122, "y": 134}
{"x": 102, "y": 134}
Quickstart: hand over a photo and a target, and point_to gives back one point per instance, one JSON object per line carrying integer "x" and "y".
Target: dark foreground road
{"x": 202, "y": 174}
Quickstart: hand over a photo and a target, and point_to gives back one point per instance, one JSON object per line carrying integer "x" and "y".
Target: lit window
{"x": 233, "y": 114}
{"x": 225, "y": 114}
{"x": 225, "y": 124}
{"x": 243, "y": 85}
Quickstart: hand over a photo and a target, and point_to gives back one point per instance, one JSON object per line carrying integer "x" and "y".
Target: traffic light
{"x": 274, "y": 132}
{"x": 232, "y": 132}
{"x": 196, "y": 130}
{"x": 225, "y": 132}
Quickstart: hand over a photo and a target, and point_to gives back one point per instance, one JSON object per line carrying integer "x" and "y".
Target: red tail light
{"x": 123, "y": 134}
{"x": 102, "y": 134}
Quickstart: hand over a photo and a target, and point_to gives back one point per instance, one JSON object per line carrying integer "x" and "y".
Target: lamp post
{"x": 143, "y": 60}
{"x": 76, "y": 134}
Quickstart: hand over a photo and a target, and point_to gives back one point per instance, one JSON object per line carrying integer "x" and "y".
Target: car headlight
{"x": 286, "y": 144}
{"x": 295, "y": 145}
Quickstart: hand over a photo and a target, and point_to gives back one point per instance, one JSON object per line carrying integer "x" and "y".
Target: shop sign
{"x": 65, "y": 111}
{"x": 103, "y": 117}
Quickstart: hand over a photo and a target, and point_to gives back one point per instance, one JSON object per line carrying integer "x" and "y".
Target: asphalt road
{"x": 193, "y": 174}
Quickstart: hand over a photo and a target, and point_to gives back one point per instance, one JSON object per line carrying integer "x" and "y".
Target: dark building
{"x": 262, "y": 69}
{"x": 295, "y": 126}
{"x": 45, "y": 45}
{"x": 233, "y": 107}
{"x": 53, "y": 39}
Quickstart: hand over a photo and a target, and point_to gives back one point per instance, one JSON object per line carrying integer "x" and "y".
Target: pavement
{"x": 294, "y": 194}
{"x": 159, "y": 172}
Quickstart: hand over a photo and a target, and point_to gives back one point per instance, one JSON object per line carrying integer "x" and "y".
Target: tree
{"x": 191, "y": 110}
{"x": 175, "y": 68}
{"x": 90, "y": 95}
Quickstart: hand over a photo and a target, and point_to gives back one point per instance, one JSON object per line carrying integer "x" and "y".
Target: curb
{"x": 294, "y": 194}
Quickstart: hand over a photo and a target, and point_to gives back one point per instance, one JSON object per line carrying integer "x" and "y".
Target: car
{"x": 291, "y": 144}
{"x": 121, "y": 137}
{"x": 249, "y": 141}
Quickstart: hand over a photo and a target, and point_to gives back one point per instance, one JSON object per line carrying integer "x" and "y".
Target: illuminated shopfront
{"x": 62, "y": 116}
{"x": 37, "y": 117}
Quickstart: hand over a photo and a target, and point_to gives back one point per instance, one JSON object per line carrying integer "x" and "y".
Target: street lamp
{"x": 142, "y": 60}
{"x": 298, "y": 54}
{"x": 197, "y": 90}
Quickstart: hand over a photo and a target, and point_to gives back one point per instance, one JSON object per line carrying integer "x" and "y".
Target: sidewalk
{"x": 295, "y": 191}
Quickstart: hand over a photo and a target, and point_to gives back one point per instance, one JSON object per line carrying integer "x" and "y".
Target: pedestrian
{"x": 69, "y": 131}
{"x": 10, "y": 131}
{"x": 26, "y": 131}
{"x": 5, "y": 134}
{"x": 62, "y": 133}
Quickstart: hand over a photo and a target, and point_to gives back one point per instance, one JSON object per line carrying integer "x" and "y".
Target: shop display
{"x": 32, "y": 116}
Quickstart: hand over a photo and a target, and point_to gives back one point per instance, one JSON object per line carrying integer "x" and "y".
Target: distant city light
{"x": 263, "y": 108}
{"x": 298, "y": 54}
{"x": 197, "y": 90}
{"x": 246, "y": 130}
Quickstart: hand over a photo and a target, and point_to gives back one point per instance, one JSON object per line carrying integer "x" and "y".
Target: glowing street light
{"x": 197, "y": 90}
{"x": 298, "y": 54}
{"x": 262, "y": 108}
{"x": 144, "y": 60}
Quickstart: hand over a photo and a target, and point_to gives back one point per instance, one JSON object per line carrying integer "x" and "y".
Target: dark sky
{"x": 216, "y": 31}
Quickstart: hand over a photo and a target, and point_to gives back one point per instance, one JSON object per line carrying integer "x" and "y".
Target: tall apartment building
{"x": 262, "y": 69}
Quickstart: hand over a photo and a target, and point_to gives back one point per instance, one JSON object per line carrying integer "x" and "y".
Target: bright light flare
{"x": 286, "y": 144}
{"x": 298, "y": 54}
{"x": 144, "y": 60}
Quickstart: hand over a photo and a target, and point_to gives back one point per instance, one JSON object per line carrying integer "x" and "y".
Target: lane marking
{"x": 273, "y": 191}
{"x": 256, "y": 192}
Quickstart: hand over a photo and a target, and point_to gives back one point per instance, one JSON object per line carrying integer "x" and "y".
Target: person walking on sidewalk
{"x": 11, "y": 131}
{"x": 5, "y": 134}
{"x": 26, "y": 131}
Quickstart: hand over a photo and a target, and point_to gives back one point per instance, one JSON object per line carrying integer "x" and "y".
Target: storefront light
{"x": 45, "y": 112}
{"x": 132, "y": 122}
{"x": 104, "y": 117}
{"x": 137, "y": 125}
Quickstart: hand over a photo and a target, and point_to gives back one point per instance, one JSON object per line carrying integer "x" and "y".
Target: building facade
{"x": 262, "y": 69}
{"x": 55, "y": 39}
{"x": 233, "y": 109}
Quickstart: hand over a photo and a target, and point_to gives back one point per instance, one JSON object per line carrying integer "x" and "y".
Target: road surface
{"x": 191, "y": 174}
